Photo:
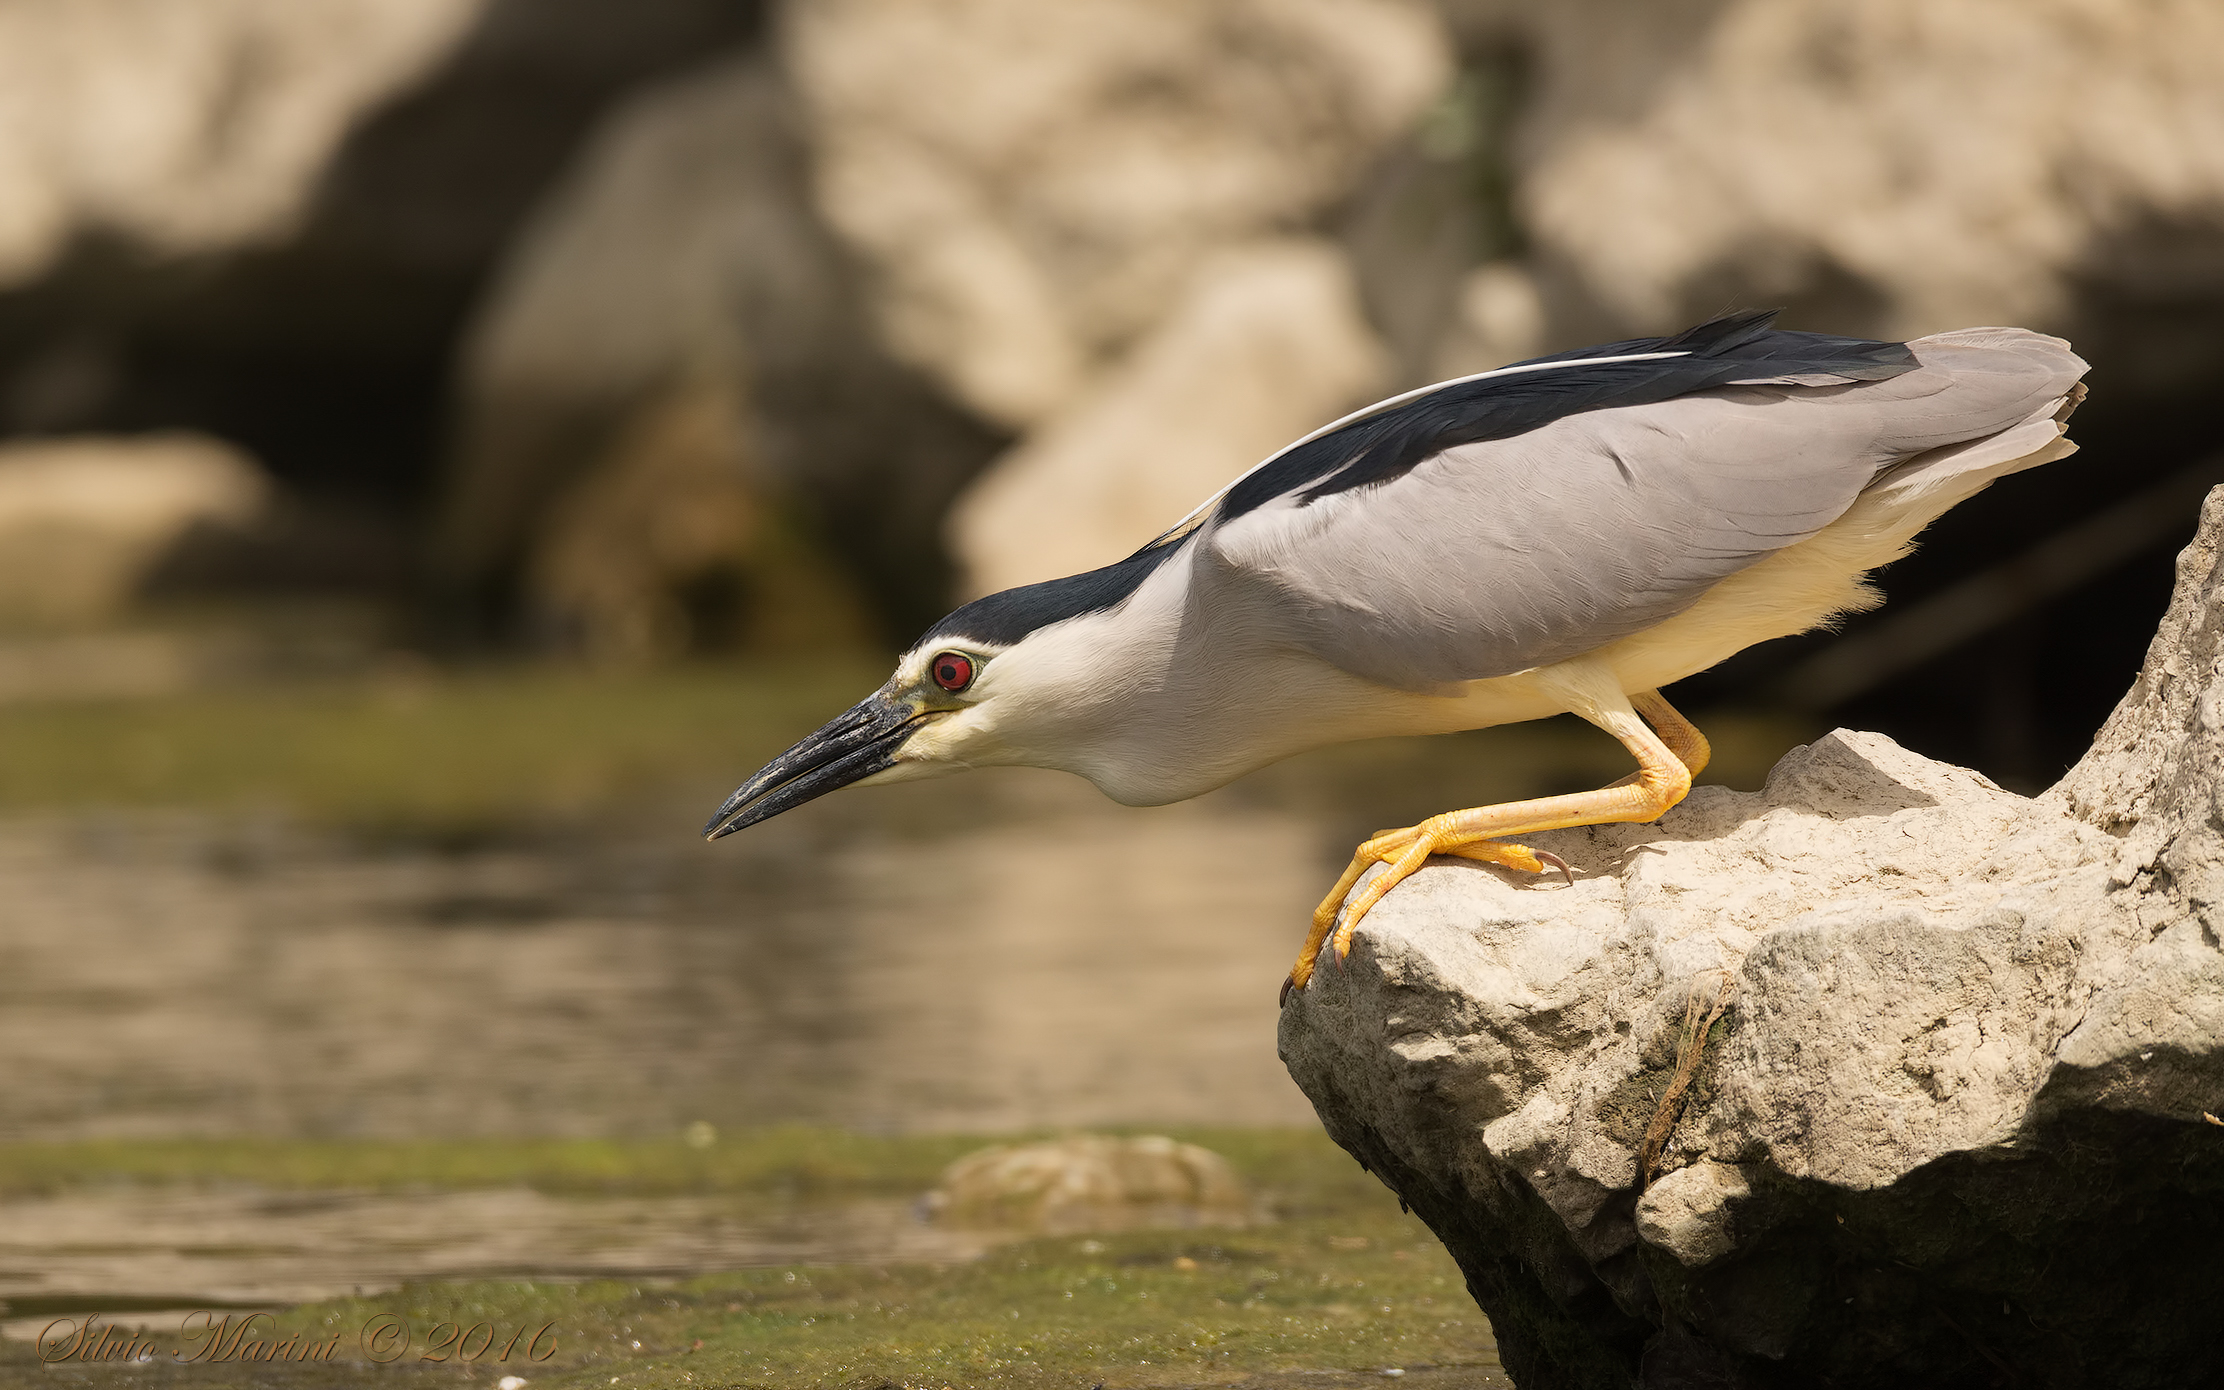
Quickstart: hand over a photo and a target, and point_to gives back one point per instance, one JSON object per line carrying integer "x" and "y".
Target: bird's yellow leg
{"x": 1662, "y": 779}
{"x": 1680, "y": 734}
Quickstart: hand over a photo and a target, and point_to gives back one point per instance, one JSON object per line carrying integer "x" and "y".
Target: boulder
{"x": 269, "y": 221}
{"x": 1268, "y": 343}
{"x": 674, "y": 542}
{"x": 1088, "y": 223}
{"x": 1880, "y": 1076}
{"x": 1977, "y": 170}
{"x": 85, "y": 520}
{"x": 1034, "y": 186}
{"x": 1091, "y": 1182}
{"x": 192, "y": 125}
{"x": 673, "y": 391}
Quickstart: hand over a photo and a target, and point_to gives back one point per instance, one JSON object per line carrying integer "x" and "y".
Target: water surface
{"x": 1023, "y": 956}
{"x": 997, "y": 951}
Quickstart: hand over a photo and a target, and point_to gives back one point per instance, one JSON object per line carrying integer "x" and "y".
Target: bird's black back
{"x": 1376, "y": 448}
{"x": 1721, "y": 352}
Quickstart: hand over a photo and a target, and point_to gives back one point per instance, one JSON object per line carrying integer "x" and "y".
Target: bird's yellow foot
{"x": 1666, "y": 763}
{"x": 1403, "y": 851}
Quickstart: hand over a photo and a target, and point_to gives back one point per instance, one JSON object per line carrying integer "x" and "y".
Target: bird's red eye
{"x": 952, "y": 670}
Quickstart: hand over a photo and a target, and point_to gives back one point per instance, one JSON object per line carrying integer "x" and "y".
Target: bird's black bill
{"x": 851, "y": 748}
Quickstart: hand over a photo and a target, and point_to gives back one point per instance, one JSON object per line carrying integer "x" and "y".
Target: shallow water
{"x": 1018, "y": 955}
{"x": 998, "y": 951}
{"x": 1025, "y": 956}
{"x": 149, "y": 1256}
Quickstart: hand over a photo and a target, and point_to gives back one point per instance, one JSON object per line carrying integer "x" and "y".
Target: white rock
{"x": 673, "y": 361}
{"x": 1958, "y": 163}
{"x": 83, "y": 519}
{"x": 1971, "y": 1045}
{"x": 1035, "y": 185}
{"x": 1268, "y": 344}
{"x": 189, "y": 124}
{"x": 1500, "y": 319}
{"x": 1687, "y": 1212}
{"x": 1092, "y": 1182}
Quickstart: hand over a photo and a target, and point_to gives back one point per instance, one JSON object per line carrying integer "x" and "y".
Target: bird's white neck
{"x": 1156, "y": 702}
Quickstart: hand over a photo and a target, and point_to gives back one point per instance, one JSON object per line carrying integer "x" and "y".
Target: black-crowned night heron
{"x": 1565, "y": 534}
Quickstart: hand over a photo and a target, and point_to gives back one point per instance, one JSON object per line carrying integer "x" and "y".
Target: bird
{"x": 1569, "y": 533}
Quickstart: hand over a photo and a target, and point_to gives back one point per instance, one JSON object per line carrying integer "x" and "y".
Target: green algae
{"x": 1342, "y": 1282}
{"x": 425, "y": 752}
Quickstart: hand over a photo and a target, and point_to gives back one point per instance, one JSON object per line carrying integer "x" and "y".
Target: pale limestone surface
{"x": 1949, "y": 998}
{"x": 1687, "y": 1212}
{"x": 1033, "y": 186}
{"x": 190, "y": 125}
{"x": 1864, "y": 891}
{"x": 1268, "y": 342}
{"x": 1092, "y": 224}
{"x": 1951, "y": 164}
{"x": 84, "y": 518}
{"x": 674, "y": 364}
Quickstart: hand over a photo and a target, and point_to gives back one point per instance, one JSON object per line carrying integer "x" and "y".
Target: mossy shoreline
{"x": 1342, "y": 1282}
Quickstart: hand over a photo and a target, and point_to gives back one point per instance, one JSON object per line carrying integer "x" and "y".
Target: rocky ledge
{"x": 1881, "y": 1076}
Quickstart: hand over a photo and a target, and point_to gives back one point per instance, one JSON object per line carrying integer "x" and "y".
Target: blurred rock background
{"x": 336, "y": 328}
{"x": 445, "y": 444}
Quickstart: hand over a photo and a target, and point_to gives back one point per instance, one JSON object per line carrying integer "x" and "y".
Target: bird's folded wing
{"x": 1495, "y": 557}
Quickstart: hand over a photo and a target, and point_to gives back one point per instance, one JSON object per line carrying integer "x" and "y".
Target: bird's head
{"x": 936, "y": 714}
{"x": 1039, "y": 676}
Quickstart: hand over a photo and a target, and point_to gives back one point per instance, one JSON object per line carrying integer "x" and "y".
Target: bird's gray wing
{"x": 1493, "y": 557}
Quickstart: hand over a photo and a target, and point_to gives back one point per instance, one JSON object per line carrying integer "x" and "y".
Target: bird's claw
{"x": 1401, "y": 852}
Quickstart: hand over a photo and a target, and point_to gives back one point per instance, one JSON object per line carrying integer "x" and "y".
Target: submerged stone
{"x": 1092, "y": 1182}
